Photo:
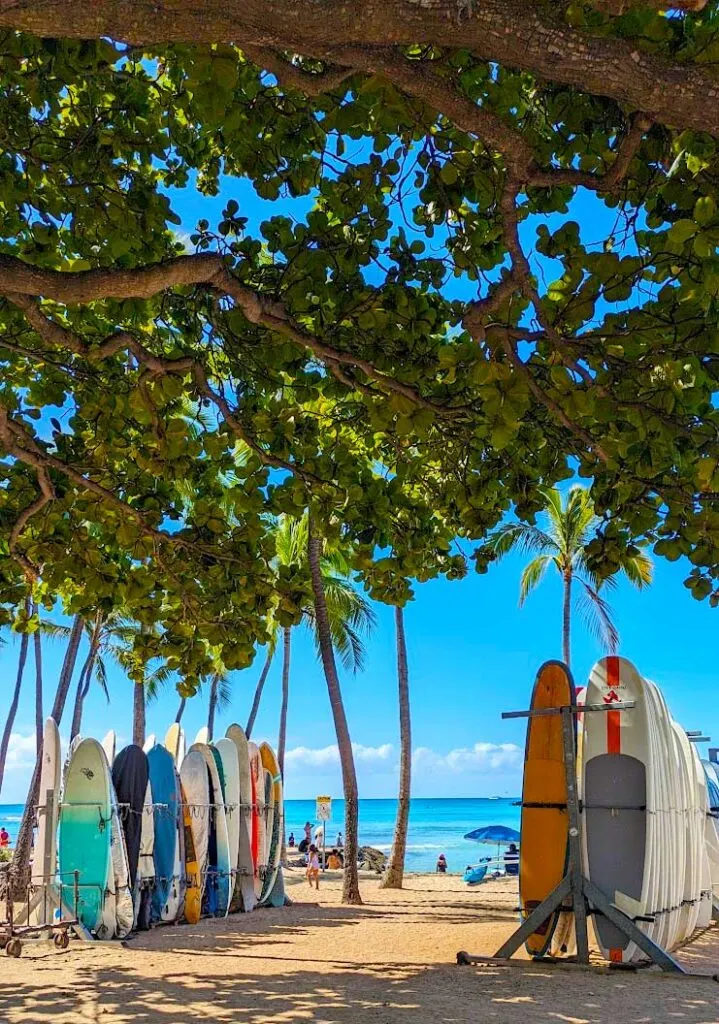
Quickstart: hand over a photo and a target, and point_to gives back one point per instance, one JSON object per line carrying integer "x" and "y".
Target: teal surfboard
{"x": 86, "y": 831}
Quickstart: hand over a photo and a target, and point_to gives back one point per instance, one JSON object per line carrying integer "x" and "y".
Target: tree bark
{"x": 10, "y": 720}
{"x": 39, "y": 724}
{"x": 258, "y": 694}
{"x": 20, "y": 867}
{"x": 180, "y": 710}
{"x": 282, "y": 737}
{"x": 567, "y": 618}
{"x": 350, "y": 884}
{"x": 395, "y": 869}
{"x": 519, "y": 34}
{"x": 79, "y": 698}
{"x": 212, "y": 707}
{"x": 138, "y": 714}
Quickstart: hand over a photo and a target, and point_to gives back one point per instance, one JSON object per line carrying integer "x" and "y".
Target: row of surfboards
{"x": 160, "y": 834}
{"x": 648, "y": 817}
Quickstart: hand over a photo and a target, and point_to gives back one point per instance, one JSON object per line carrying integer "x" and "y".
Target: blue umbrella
{"x": 501, "y": 834}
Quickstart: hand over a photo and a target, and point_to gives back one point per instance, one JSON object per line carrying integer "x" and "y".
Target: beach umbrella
{"x": 502, "y": 835}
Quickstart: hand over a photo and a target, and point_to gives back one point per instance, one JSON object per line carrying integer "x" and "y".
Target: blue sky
{"x": 472, "y": 653}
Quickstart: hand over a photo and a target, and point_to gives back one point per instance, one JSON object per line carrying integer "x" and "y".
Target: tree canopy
{"x": 504, "y": 273}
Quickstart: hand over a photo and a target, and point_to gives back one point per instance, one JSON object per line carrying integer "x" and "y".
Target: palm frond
{"x": 54, "y": 630}
{"x": 532, "y": 576}
{"x": 597, "y": 615}
{"x": 156, "y": 680}
{"x": 528, "y": 539}
{"x": 101, "y": 676}
{"x": 639, "y": 569}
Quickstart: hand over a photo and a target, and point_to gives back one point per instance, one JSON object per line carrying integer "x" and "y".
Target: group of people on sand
{"x": 311, "y": 850}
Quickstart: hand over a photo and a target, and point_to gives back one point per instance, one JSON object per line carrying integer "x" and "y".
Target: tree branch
{"x": 520, "y": 34}
{"x": 288, "y": 74}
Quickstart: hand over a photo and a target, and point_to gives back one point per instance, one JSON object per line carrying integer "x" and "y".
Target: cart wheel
{"x": 14, "y": 947}
{"x": 62, "y": 940}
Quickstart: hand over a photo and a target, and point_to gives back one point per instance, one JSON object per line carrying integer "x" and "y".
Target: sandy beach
{"x": 388, "y": 962}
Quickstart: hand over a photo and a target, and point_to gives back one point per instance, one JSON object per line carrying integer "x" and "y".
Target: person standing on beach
{"x": 313, "y": 867}
{"x": 4, "y": 837}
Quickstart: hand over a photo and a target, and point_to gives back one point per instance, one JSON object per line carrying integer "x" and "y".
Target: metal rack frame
{"x": 576, "y": 893}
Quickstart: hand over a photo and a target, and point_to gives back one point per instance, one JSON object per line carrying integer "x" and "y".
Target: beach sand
{"x": 390, "y": 961}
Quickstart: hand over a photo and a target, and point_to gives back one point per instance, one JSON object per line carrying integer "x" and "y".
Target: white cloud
{"x": 480, "y": 757}
{"x": 21, "y": 752}
{"x": 327, "y": 757}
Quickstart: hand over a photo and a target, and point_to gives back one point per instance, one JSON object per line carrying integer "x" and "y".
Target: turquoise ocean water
{"x": 435, "y": 826}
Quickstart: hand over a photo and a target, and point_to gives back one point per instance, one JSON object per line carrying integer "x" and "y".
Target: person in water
{"x": 511, "y": 860}
{"x": 313, "y": 866}
{"x": 4, "y": 837}
{"x": 441, "y": 864}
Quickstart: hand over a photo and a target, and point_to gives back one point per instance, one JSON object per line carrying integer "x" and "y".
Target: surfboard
{"x": 544, "y": 829}
{"x": 219, "y": 871}
{"x": 275, "y": 819}
{"x": 258, "y": 815}
{"x": 165, "y": 896}
{"x": 618, "y": 790}
{"x": 108, "y": 745}
{"x": 244, "y": 896}
{"x": 227, "y": 752}
{"x": 130, "y": 777}
{"x": 149, "y": 743}
{"x": 86, "y": 832}
{"x": 175, "y": 742}
{"x": 203, "y": 735}
{"x": 50, "y": 772}
{"x": 145, "y": 863}
{"x": 195, "y": 784}
{"x": 118, "y": 911}
{"x": 193, "y": 890}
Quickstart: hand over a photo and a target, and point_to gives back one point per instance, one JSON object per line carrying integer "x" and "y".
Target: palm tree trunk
{"x": 138, "y": 713}
{"x": 350, "y": 884}
{"x": 79, "y": 697}
{"x": 258, "y": 694}
{"x": 37, "y": 648}
{"x": 282, "y": 738}
{"x": 566, "y": 617}
{"x": 395, "y": 869}
{"x": 20, "y": 867}
{"x": 180, "y": 710}
{"x": 212, "y": 707}
{"x": 10, "y": 720}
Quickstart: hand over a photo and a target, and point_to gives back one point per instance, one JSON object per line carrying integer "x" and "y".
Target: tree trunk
{"x": 212, "y": 707}
{"x": 566, "y": 618}
{"x": 395, "y": 869}
{"x": 39, "y": 724}
{"x": 258, "y": 694}
{"x": 138, "y": 714}
{"x": 282, "y": 738}
{"x": 79, "y": 698}
{"x": 350, "y": 885}
{"x": 180, "y": 710}
{"x": 10, "y": 720}
{"x": 20, "y": 867}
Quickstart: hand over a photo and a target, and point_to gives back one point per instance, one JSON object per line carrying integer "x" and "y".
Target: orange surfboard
{"x": 544, "y": 829}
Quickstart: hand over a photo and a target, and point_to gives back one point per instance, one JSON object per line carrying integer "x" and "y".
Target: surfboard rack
{"x": 575, "y": 894}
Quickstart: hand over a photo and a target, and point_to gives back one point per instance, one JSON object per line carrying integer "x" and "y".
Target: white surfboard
{"x": 245, "y": 865}
{"x": 203, "y": 735}
{"x": 149, "y": 743}
{"x": 175, "y": 742}
{"x": 108, "y": 745}
{"x": 231, "y": 770}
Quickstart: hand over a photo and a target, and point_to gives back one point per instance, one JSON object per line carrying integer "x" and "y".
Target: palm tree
{"x": 394, "y": 874}
{"x": 260, "y": 687}
{"x": 570, "y": 526}
{"x": 350, "y": 884}
{"x": 20, "y": 868}
{"x": 14, "y": 703}
{"x": 349, "y": 613}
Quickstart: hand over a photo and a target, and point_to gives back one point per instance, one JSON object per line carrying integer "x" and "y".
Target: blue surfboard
{"x": 166, "y": 809}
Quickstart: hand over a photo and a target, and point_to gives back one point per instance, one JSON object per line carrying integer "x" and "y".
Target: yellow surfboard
{"x": 545, "y": 823}
{"x": 193, "y": 893}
